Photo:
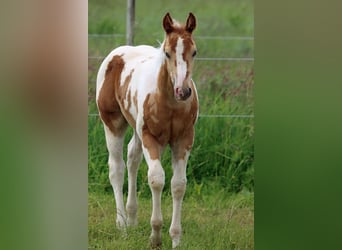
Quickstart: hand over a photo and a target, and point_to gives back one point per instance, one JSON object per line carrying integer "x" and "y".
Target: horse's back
{"x": 136, "y": 58}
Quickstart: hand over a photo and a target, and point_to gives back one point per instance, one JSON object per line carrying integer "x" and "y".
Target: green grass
{"x": 220, "y": 170}
{"x": 216, "y": 221}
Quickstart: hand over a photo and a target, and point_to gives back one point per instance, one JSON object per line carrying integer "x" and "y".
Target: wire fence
{"x": 197, "y": 59}
{"x": 201, "y": 115}
{"x": 197, "y": 37}
{"x": 240, "y": 38}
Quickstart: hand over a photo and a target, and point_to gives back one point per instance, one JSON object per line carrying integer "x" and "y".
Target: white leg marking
{"x": 134, "y": 157}
{"x": 116, "y": 173}
{"x": 178, "y": 186}
{"x": 156, "y": 180}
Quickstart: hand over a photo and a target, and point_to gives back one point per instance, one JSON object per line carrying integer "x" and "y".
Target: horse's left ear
{"x": 190, "y": 23}
{"x": 168, "y": 23}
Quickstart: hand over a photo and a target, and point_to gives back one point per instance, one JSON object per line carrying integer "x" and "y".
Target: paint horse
{"x": 150, "y": 89}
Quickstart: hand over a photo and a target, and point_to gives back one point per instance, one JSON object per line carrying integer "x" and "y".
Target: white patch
{"x": 181, "y": 64}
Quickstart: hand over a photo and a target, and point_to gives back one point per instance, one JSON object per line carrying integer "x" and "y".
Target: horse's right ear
{"x": 190, "y": 23}
{"x": 168, "y": 23}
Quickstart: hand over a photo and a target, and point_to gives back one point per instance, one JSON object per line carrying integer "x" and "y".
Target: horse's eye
{"x": 194, "y": 54}
{"x": 167, "y": 55}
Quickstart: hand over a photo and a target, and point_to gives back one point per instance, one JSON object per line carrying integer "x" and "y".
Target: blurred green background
{"x": 298, "y": 122}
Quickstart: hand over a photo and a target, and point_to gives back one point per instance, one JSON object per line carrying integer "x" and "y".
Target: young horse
{"x": 151, "y": 90}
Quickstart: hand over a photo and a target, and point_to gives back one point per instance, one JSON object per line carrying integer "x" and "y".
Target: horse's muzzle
{"x": 182, "y": 93}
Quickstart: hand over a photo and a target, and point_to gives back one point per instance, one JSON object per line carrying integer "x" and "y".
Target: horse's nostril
{"x": 179, "y": 91}
{"x": 187, "y": 92}
{"x": 183, "y": 93}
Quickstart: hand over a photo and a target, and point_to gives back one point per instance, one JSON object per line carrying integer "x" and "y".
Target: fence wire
{"x": 201, "y": 115}
{"x": 198, "y": 59}
{"x": 246, "y": 116}
{"x": 197, "y": 37}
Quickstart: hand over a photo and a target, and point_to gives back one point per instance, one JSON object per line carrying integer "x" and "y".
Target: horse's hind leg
{"x": 114, "y": 140}
{"x": 134, "y": 157}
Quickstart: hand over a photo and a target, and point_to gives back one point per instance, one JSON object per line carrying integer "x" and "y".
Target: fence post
{"x": 130, "y": 21}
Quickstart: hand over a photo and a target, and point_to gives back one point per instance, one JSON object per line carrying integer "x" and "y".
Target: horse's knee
{"x": 156, "y": 181}
{"x": 178, "y": 187}
{"x": 156, "y": 177}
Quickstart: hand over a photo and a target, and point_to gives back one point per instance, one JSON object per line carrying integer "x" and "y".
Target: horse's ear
{"x": 190, "y": 23}
{"x": 168, "y": 23}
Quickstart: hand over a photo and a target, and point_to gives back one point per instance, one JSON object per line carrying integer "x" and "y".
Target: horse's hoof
{"x": 156, "y": 243}
{"x": 175, "y": 243}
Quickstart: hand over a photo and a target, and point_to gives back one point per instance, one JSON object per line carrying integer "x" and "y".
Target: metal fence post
{"x": 130, "y": 21}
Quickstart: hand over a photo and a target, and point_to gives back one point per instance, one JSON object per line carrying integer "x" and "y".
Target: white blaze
{"x": 181, "y": 64}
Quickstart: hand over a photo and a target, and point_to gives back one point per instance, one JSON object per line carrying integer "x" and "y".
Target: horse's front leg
{"x": 156, "y": 181}
{"x": 180, "y": 156}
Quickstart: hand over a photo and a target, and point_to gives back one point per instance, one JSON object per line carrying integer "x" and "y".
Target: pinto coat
{"x": 151, "y": 90}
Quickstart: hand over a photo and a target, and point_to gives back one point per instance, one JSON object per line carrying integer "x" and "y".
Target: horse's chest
{"x": 166, "y": 125}
{"x": 165, "y": 130}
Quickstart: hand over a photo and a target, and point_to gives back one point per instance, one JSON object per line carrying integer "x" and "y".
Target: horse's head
{"x": 179, "y": 50}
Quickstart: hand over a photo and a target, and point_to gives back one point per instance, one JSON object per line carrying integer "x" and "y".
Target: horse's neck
{"x": 165, "y": 88}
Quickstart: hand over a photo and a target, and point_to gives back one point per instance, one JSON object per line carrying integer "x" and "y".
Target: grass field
{"x": 215, "y": 221}
{"x": 221, "y": 166}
